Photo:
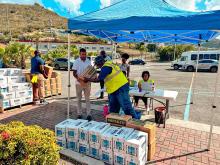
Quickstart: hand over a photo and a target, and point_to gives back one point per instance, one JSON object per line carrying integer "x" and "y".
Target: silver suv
{"x": 207, "y": 65}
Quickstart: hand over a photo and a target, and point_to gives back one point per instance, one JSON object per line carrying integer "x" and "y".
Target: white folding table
{"x": 157, "y": 94}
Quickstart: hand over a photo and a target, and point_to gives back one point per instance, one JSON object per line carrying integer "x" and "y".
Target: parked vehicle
{"x": 206, "y": 65}
{"x": 189, "y": 57}
{"x": 62, "y": 63}
{"x": 136, "y": 62}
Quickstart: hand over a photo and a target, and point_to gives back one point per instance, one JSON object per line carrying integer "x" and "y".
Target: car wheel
{"x": 176, "y": 67}
{"x": 190, "y": 68}
{"x": 57, "y": 67}
{"x": 213, "y": 69}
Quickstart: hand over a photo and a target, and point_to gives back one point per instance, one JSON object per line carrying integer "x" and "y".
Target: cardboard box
{"x": 61, "y": 143}
{"x": 96, "y": 132}
{"x": 28, "y": 77}
{"x": 137, "y": 144}
{"x": 26, "y": 100}
{"x": 72, "y": 130}
{"x": 60, "y": 129}
{"x": 94, "y": 151}
{"x": 13, "y": 79}
{"x": 144, "y": 126}
{"x": 4, "y": 72}
{"x": 53, "y": 87}
{"x": 54, "y": 92}
{"x": 30, "y": 92}
{"x": 53, "y": 81}
{"x": 14, "y": 87}
{"x": 134, "y": 161}
{"x": 6, "y": 96}
{"x": 73, "y": 145}
{"x": 119, "y": 139}
{"x": 4, "y": 88}
{"x": 84, "y": 131}
{"x": 5, "y": 104}
{"x": 48, "y": 93}
{"x": 151, "y": 150}
{"x": 107, "y": 138}
{"x": 14, "y": 72}
{"x": 47, "y": 84}
{"x": 84, "y": 148}
{"x": 106, "y": 156}
{"x": 19, "y": 94}
{"x": 117, "y": 120}
{"x": 25, "y": 86}
{"x": 3, "y": 80}
{"x": 59, "y": 90}
{"x": 58, "y": 80}
{"x": 15, "y": 102}
{"x": 119, "y": 159}
{"x": 42, "y": 91}
{"x": 48, "y": 70}
{"x": 55, "y": 74}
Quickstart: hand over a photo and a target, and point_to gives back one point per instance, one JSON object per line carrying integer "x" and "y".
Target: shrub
{"x": 20, "y": 144}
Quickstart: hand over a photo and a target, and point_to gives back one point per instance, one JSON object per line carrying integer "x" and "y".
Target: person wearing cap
{"x": 116, "y": 86}
{"x": 38, "y": 74}
{"x": 107, "y": 58}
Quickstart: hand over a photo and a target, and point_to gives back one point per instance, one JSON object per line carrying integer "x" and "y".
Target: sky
{"x": 72, "y": 8}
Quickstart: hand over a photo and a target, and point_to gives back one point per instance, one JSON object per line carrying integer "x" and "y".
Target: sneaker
{"x": 43, "y": 102}
{"x": 101, "y": 97}
{"x": 89, "y": 118}
{"x": 79, "y": 117}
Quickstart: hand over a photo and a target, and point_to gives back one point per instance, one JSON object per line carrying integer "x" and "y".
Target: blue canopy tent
{"x": 149, "y": 21}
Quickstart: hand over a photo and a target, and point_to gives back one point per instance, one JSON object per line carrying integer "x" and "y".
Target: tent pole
{"x": 213, "y": 108}
{"x": 69, "y": 85}
{"x": 174, "y": 54}
{"x": 197, "y": 62}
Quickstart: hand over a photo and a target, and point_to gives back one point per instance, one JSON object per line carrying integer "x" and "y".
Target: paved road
{"x": 166, "y": 78}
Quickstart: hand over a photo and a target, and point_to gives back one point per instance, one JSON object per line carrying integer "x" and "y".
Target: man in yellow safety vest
{"x": 116, "y": 85}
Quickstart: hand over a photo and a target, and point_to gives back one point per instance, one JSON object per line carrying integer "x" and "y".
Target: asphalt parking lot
{"x": 167, "y": 78}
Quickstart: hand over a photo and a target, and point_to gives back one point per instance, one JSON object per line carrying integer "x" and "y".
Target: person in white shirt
{"x": 107, "y": 58}
{"x": 78, "y": 67}
{"x": 124, "y": 66}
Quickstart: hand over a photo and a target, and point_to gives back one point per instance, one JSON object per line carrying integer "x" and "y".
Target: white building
{"x": 45, "y": 46}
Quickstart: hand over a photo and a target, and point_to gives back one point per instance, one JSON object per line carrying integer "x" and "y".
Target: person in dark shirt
{"x": 38, "y": 74}
{"x": 116, "y": 86}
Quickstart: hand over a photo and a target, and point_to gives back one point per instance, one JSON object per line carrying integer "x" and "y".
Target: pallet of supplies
{"x": 144, "y": 126}
{"x": 119, "y": 139}
{"x": 117, "y": 120}
{"x": 84, "y": 148}
{"x": 4, "y": 72}
{"x": 96, "y": 132}
{"x": 107, "y": 138}
{"x": 137, "y": 148}
{"x": 151, "y": 150}
{"x": 94, "y": 151}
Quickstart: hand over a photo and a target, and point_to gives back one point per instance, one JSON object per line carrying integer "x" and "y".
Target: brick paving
{"x": 171, "y": 141}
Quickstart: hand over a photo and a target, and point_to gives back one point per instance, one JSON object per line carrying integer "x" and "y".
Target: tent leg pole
{"x": 174, "y": 54}
{"x": 69, "y": 85}
{"x": 197, "y": 62}
{"x": 213, "y": 108}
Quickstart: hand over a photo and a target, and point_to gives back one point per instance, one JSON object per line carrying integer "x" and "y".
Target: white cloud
{"x": 184, "y": 4}
{"x": 212, "y": 5}
{"x": 21, "y": 1}
{"x": 72, "y": 5}
{"x": 106, "y": 3}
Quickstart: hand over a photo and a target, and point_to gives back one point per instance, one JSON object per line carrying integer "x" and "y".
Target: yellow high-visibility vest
{"x": 116, "y": 79}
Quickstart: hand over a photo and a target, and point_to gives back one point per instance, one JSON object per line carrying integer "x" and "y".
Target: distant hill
{"x": 28, "y": 18}
{"x": 212, "y": 44}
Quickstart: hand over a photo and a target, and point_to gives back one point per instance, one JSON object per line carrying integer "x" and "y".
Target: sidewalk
{"x": 176, "y": 139}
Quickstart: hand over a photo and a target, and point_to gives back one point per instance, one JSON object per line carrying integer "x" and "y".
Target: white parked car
{"x": 190, "y": 57}
{"x": 207, "y": 65}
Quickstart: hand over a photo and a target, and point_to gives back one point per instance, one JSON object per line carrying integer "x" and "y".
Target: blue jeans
{"x": 121, "y": 99}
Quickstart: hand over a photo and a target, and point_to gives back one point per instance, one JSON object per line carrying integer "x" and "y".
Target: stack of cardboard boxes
{"x": 51, "y": 86}
{"x": 14, "y": 90}
{"x": 113, "y": 145}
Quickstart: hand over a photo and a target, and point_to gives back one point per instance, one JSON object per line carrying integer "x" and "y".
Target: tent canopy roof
{"x": 148, "y": 21}
{"x": 145, "y": 15}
